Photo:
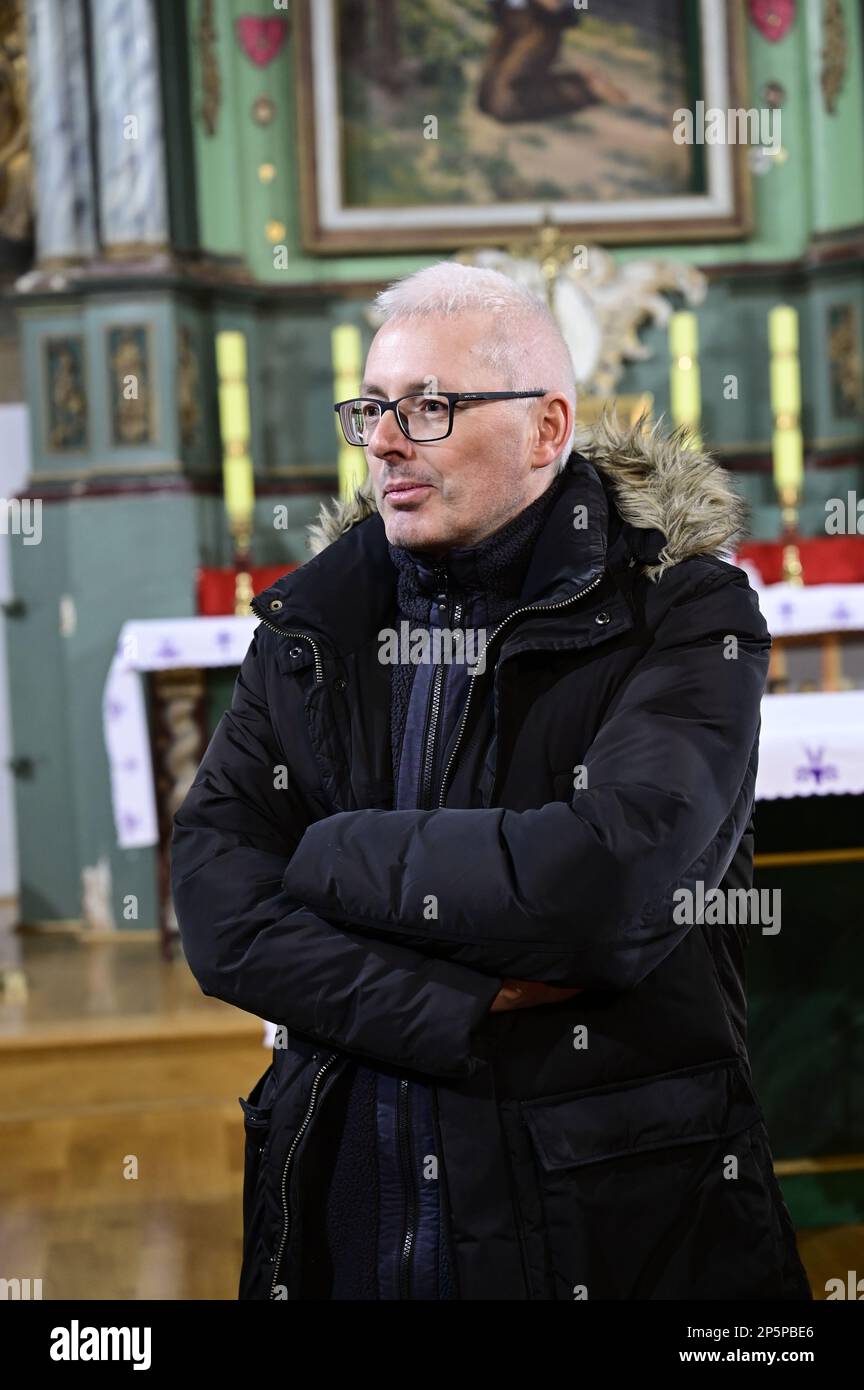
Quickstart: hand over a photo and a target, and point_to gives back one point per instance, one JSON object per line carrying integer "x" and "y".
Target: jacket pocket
{"x": 651, "y": 1190}
{"x": 257, "y": 1115}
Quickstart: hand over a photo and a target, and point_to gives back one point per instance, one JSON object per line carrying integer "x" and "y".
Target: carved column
{"x": 60, "y": 132}
{"x": 133, "y": 202}
{"x": 179, "y": 739}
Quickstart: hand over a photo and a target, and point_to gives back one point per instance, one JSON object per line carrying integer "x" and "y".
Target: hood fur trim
{"x": 660, "y": 481}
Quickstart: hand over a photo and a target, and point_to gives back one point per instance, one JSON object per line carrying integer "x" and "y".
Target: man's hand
{"x": 525, "y": 994}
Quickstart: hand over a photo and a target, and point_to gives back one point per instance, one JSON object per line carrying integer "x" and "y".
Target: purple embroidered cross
{"x": 818, "y": 770}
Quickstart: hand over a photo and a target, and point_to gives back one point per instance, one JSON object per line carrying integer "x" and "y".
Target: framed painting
{"x": 428, "y": 124}
{"x": 129, "y": 356}
{"x": 66, "y": 410}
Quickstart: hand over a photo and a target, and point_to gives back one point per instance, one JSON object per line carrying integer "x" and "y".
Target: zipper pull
{"x": 442, "y": 589}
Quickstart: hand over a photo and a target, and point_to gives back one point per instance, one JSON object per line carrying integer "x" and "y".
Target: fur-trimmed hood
{"x": 662, "y": 482}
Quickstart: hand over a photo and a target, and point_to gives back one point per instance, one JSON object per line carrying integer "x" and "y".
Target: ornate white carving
{"x": 601, "y": 305}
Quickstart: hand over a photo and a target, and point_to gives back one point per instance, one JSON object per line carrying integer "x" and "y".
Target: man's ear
{"x": 554, "y": 429}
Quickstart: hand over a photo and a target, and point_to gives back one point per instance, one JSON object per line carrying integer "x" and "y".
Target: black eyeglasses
{"x": 421, "y": 417}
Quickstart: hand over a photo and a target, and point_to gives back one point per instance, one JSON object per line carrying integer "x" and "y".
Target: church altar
{"x": 148, "y": 645}
{"x": 793, "y": 610}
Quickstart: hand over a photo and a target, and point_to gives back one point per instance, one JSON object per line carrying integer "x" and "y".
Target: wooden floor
{"x": 121, "y": 1140}
{"x": 117, "y": 1063}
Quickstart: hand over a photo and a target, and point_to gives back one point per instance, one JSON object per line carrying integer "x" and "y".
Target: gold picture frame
{"x": 330, "y": 225}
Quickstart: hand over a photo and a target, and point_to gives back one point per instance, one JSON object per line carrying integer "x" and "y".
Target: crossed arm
{"x": 579, "y": 893}
{"x": 252, "y": 943}
{"x": 335, "y": 939}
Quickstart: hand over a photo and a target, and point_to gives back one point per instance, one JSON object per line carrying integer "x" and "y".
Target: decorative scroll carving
{"x": 833, "y": 53}
{"x": 211, "y": 82}
{"x": 16, "y": 166}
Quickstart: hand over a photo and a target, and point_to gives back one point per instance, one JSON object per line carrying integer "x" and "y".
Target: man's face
{"x": 459, "y": 489}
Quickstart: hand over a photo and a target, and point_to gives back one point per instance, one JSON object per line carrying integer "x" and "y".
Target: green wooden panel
{"x": 805, "y": 1007}
{"x": 824, "y": 1199}
{"x": 39, "y": 701}
{"x": 155, "y": 314}
{"x": 58, "y": 323}
{"x": 217, "y": 159}
{"x": 119, "y": 558}
{"x": 836, "y": 146}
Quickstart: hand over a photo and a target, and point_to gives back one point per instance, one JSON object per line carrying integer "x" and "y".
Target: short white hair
{"x": 524, "y": 336}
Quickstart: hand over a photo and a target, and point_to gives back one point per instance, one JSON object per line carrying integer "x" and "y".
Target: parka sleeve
{"x": 578, "y": 893}
{"x": 253, "y": 944}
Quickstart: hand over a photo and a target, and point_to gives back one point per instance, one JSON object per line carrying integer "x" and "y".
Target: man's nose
{"x": 387, "y": 435}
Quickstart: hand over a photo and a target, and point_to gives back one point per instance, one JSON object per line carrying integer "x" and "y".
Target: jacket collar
{"x": 492, "y": 569}
{"x": 346, "y": 593}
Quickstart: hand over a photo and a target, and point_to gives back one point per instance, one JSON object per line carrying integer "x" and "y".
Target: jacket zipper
{"x": 438, "y": 683}
{"x": 313, "y": 1099}
{"x": 410, "y": 1216}
{"x": 404, "y": 1094}
{"x": 284, "y": 632}
{"x": 529, "y": 608}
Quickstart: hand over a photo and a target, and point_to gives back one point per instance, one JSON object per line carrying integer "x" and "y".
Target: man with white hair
{"x": 506, "y": 1066}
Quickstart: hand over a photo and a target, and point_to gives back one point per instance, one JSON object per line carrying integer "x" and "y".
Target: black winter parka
{"x": 607, "y": 1147}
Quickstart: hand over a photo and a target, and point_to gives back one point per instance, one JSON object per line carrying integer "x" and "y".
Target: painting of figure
{"x": 431, "y": 119}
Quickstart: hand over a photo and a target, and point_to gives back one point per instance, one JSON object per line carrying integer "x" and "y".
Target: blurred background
{"x": 198, "y": 201}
